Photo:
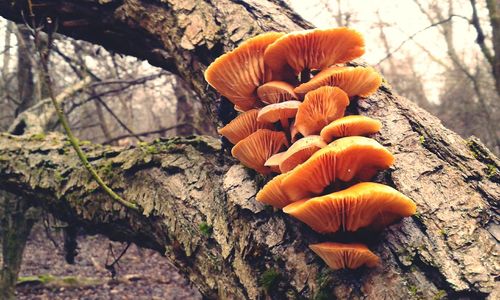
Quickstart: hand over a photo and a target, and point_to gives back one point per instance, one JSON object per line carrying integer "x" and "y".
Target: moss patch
{"x": 205, "y": 229}
{"x": 269, "y": 279}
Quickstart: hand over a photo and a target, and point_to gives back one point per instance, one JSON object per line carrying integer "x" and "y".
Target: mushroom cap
{"x": 279, "y": 111}
{"x": 300, "y": 151}
{"x": 365, "y": 204}
{"x": 242, "y": 126}
{"x": 345, "y": 159}
{"x": 255, "y": 149}
{"x": 358, "y": 81}
{"x": 340, "y": 256}
{"x": 314, "y": 49}
{"x": 272, "y": 194}
{"x": 319, "y": 108}
{"x": 275, "y": 92}
{"x": 237, "y": 74}
{"x": 274, "y": 162}
{"x": 349, "y": 126}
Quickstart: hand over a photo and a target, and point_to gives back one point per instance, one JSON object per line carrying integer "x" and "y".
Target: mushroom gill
{"x": 313, "y": 49}
{"x": 350, "y": 126}
{"x": 345, "y": 159}
{"x": 341, "y": 256}
{"x": 242, "y": 126}
{"x": 274, "y": 161}
{"x": 281, "y": 112}
{"x": 300, "y": 151}
{"x": 272, "y": 193}
{"x": 355, "y": 81}
{"x": 319, "y": 108}
{"x": 254, "y": 150}
{"x": 275, "y": 92}
{"x": 362, "y": 205}
{"x": 237, "y": 74}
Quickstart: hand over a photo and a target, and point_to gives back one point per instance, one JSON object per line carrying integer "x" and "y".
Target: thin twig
{"x": 416, "y": 33}
{"x": 65, "y": 125}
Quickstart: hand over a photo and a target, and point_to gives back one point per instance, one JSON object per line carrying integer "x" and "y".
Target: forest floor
{"x": 140, "y": 274}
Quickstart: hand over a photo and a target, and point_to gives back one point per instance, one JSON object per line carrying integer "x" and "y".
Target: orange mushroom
{"x": 303, "y": 51}
{"x": 293, "y": 132}
{"x": 275, "y": 92}
{"x": 255, "y": 149}
{"x": 358, "y": 81}
{"x": 319, "y": 108}
{"x": 272, "y": 194}
{"x": 242, "y": 126}
{"x": 349, "y": 126}
{"x": 345, "y": 159}
{"x": 237, "y": 74}
{"x": 279, "y": 112}
{"x": 274, "y": 162}
{"x": 300, "y": 151}
{"x": 341, "y": 256}
{"x": 362, "y": 205}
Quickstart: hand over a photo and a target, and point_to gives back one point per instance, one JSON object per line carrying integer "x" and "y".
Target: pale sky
{"x": 403, "y": 19}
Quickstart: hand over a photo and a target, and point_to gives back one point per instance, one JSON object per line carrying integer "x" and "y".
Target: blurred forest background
{"x": 439, "y": 54}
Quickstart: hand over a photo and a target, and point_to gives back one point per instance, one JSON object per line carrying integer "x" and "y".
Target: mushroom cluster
{"x": 293, "y": 124}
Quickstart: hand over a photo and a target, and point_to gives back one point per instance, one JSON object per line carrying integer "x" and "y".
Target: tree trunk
{"x": 199, "y": 205}
{"x": 494, "y": 13}
{"x": 16, "y": 220}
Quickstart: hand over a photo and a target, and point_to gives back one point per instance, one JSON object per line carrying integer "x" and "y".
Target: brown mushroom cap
{"x": 279, "y": 111}
{"x": 237, "y": 74}
{"x": 319, "y": 108}
{"x": 349, "y": 126}
{"x": 275, "y": 92}
{"x": 340, "y": 256}
{"x": 362, "y": 205}
{"x": 300, "y": 151}
{"x": 274, "y": 162}
{"x": 358, "y": 81}
{"x": 344, "y": 159}
{"x": 314, "y": 49}
{"x": 242, "y": 126}
{"x": 272, "y": 194}
{"x": 255, "y": 149}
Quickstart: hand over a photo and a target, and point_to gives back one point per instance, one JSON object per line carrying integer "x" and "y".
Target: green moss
{"x": 269, "y": 279}
{"x": 84, "y": 142}
{"x": 491, "y": 170}
{"x": 58, "y": 176}
{"x": 441, "y": 294}
{"x": 106, "y": 169}
{"x": 149, "y": 148}
{"x": 408, "y": 259}
{"x": 443, "y": 232}
{"x": 38, "y": 136}
{"x": 413, "y": 290}
{"x": 70, "y": 280}
{"x": 324, "y": 283}
{"x": 205, "y": 229}
{"x": 422, "y": 139}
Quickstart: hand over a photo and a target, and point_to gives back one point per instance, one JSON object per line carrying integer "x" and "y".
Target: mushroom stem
{"x": 305, "y": 75}
{"x": 284, "y": 123}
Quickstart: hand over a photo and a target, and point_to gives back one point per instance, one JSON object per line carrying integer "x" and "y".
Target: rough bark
{"x": 199, "y": 206}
